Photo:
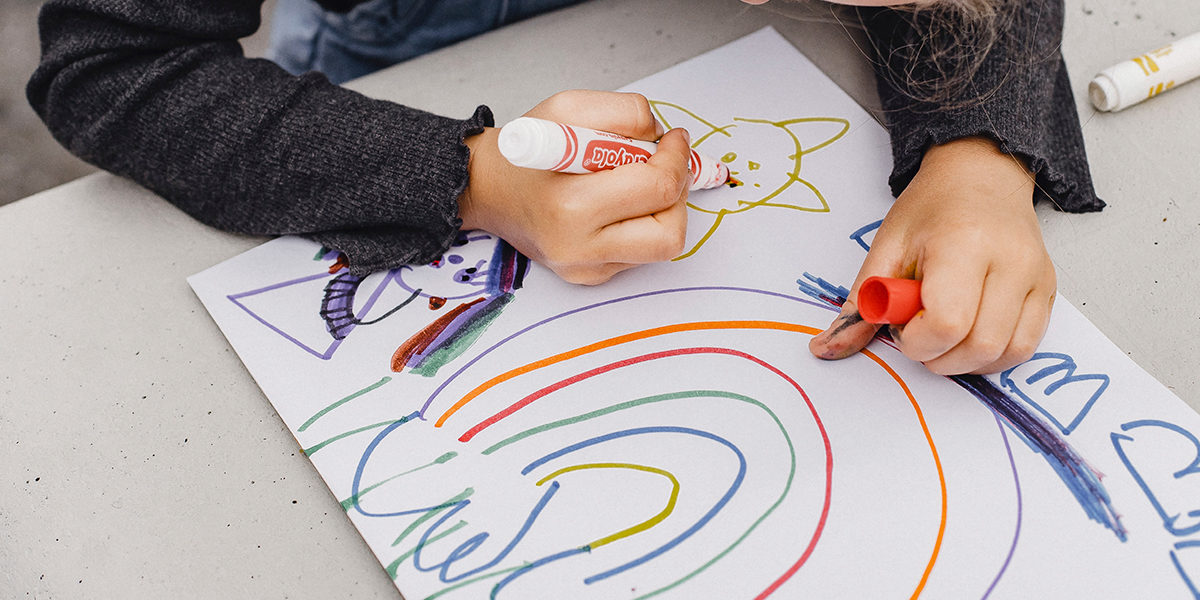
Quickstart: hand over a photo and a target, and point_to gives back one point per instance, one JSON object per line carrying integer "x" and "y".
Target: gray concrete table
{"x": 140, "y": 460}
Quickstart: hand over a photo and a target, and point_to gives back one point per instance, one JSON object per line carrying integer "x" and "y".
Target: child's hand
{"x": 965, "y": 226}
{"x": 585, "y": 228}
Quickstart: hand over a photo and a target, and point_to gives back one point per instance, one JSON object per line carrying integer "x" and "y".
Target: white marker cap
{"x": 1103, "y": 93}
{"x": 532, "y": 143}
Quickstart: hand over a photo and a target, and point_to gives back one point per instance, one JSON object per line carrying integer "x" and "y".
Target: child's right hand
{"x": 585, "y": 228}
{"x": 966, "y": 227}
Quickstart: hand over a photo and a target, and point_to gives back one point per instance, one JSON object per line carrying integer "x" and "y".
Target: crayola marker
{"x": 1125, "y": 84}
{"x": 549, "y": 146}
{"x": 888, "y": 300}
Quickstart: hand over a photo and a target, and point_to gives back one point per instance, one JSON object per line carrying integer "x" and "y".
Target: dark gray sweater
{"x": 1020, "y": 97}
{"x": 160, "y": 92}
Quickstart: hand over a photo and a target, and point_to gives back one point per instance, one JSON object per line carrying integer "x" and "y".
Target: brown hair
{"x": 950, "y": 41}
{"x": 937, "y": 59}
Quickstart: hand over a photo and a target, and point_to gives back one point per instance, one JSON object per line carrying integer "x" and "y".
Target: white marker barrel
{"x": 540, "y": 144}
{"x": 1125, "y": 84}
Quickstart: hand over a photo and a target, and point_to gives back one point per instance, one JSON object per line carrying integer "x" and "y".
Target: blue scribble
{"x": 1191, "y": 585}
{"x": 861, "y": 232}
{"x": 466, "y": 548}
{"x": 1066, "y": 365}
{"x": 712, "y": 512}
{"x": 1169, "y": 521}
{"x": 1080, "y": 479}
{"x": 822, "y": 290}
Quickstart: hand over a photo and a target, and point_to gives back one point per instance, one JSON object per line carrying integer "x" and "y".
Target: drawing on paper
{"x": 769, "y": 169}
{"x": 440, "y": 529}
{"x": 494, "y": 432}
{"x": 478, "y": 276}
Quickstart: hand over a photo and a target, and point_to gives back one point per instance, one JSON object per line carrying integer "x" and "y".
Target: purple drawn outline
{"x": 1020, "y": 507}
{"x": 821, "y": 305}
{"x": 333, "y": 346}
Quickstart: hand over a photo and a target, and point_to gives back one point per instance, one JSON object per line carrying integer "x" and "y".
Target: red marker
{"x": 550, "y": 146}
{"x": 887, "y": 300}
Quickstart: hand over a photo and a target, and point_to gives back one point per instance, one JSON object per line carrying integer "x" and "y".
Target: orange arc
{"x": 616, "y": 341}
{"x": 714, "y": 325}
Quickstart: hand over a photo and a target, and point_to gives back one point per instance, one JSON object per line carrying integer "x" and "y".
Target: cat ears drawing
{"x": 765, "y": 155}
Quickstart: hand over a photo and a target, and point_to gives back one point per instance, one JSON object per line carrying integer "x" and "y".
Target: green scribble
{"x": 454, "y": 347}
{"x": 309, "y": 451}
{"x": 661, "y": 398}
{"x": 394, "y": 566}
{"x": 349, "y": 503}
{"x": 324, "y": 411}
{"x": 432, "y": 513}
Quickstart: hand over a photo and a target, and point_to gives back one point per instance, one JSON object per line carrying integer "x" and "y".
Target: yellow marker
{"x": 1146, "y": 76}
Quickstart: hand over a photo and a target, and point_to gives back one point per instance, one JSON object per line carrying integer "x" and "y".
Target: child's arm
{"x": 966, "y": 176}
{"x": 165, "y": 97}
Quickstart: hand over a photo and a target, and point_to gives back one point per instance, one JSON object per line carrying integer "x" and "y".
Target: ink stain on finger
{"x": 845, "y": 322}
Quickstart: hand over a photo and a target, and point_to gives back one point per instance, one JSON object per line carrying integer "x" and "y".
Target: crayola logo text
{"x": 606, "y": 154}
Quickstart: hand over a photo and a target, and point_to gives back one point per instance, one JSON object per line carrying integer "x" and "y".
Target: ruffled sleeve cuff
{"x": 1020, "y": 99}
{"x": 422, "y": 220}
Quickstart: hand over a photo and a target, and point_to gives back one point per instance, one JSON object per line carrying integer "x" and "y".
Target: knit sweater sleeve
{"x": 1020, "y": 97}
{"x": 159, "y": 92}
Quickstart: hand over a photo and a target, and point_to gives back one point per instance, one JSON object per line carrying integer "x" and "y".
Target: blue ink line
{"x": 535, "y": 564}
{"x": 1079, "y": 478}
{"x": 1118, "y": 440}
{"x": 1066, "y": 363}
{"x": 824, "y": 291}
{"x": 1179, "y": 566}
{"x": 861, "y": 232}
{"x": 690, "y": 530}
{"x": 362, "y": 463}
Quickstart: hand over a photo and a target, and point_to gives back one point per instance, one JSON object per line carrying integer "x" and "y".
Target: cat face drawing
{"x": 770, "y": 168}
{"x": 460, "y": 273}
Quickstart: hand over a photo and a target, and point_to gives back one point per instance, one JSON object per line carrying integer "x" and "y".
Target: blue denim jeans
{"x": 380, "y": 33}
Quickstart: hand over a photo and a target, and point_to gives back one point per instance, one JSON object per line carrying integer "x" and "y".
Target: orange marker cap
{"x": 888, "y": 300}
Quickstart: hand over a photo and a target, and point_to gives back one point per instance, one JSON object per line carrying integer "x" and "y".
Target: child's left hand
{"x": 965, "y": 226}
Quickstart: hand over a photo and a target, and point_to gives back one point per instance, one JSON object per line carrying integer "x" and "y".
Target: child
{"x": 163, "y": 95}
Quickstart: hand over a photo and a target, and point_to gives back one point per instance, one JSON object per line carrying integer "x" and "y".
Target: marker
{"x": 1125, "y": 84}
{"x": 888, "y": 300}
{"x": 550, "y": 146}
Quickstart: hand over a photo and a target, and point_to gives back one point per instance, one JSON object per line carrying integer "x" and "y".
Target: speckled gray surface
{"x": 139, "y": 459}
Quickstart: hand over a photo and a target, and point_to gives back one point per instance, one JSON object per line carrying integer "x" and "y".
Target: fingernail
{"x": 659, "y": 130}
{"x": 687, "y": 136}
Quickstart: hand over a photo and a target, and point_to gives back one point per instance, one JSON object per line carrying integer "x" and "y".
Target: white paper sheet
{"x": 668, "y": 433}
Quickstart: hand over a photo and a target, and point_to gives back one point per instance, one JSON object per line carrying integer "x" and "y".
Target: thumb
{"x": 849, "y": 333}
{"x": 674, "y": 150}
{"x": 846, "y": 335}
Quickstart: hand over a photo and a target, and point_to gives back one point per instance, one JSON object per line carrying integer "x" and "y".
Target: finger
{"x": 591, "y": 274}
{"x": 951, "y": 292}
{"x": 624, "y": 113}
{"x": 992, "y": 331}
{"x": 1034, "y": 319}
{"x": 652, "y": 238}
{"x": 635, "y": 190}
{"x": 849, "y": 333}
{"x": 846, "y": 335}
